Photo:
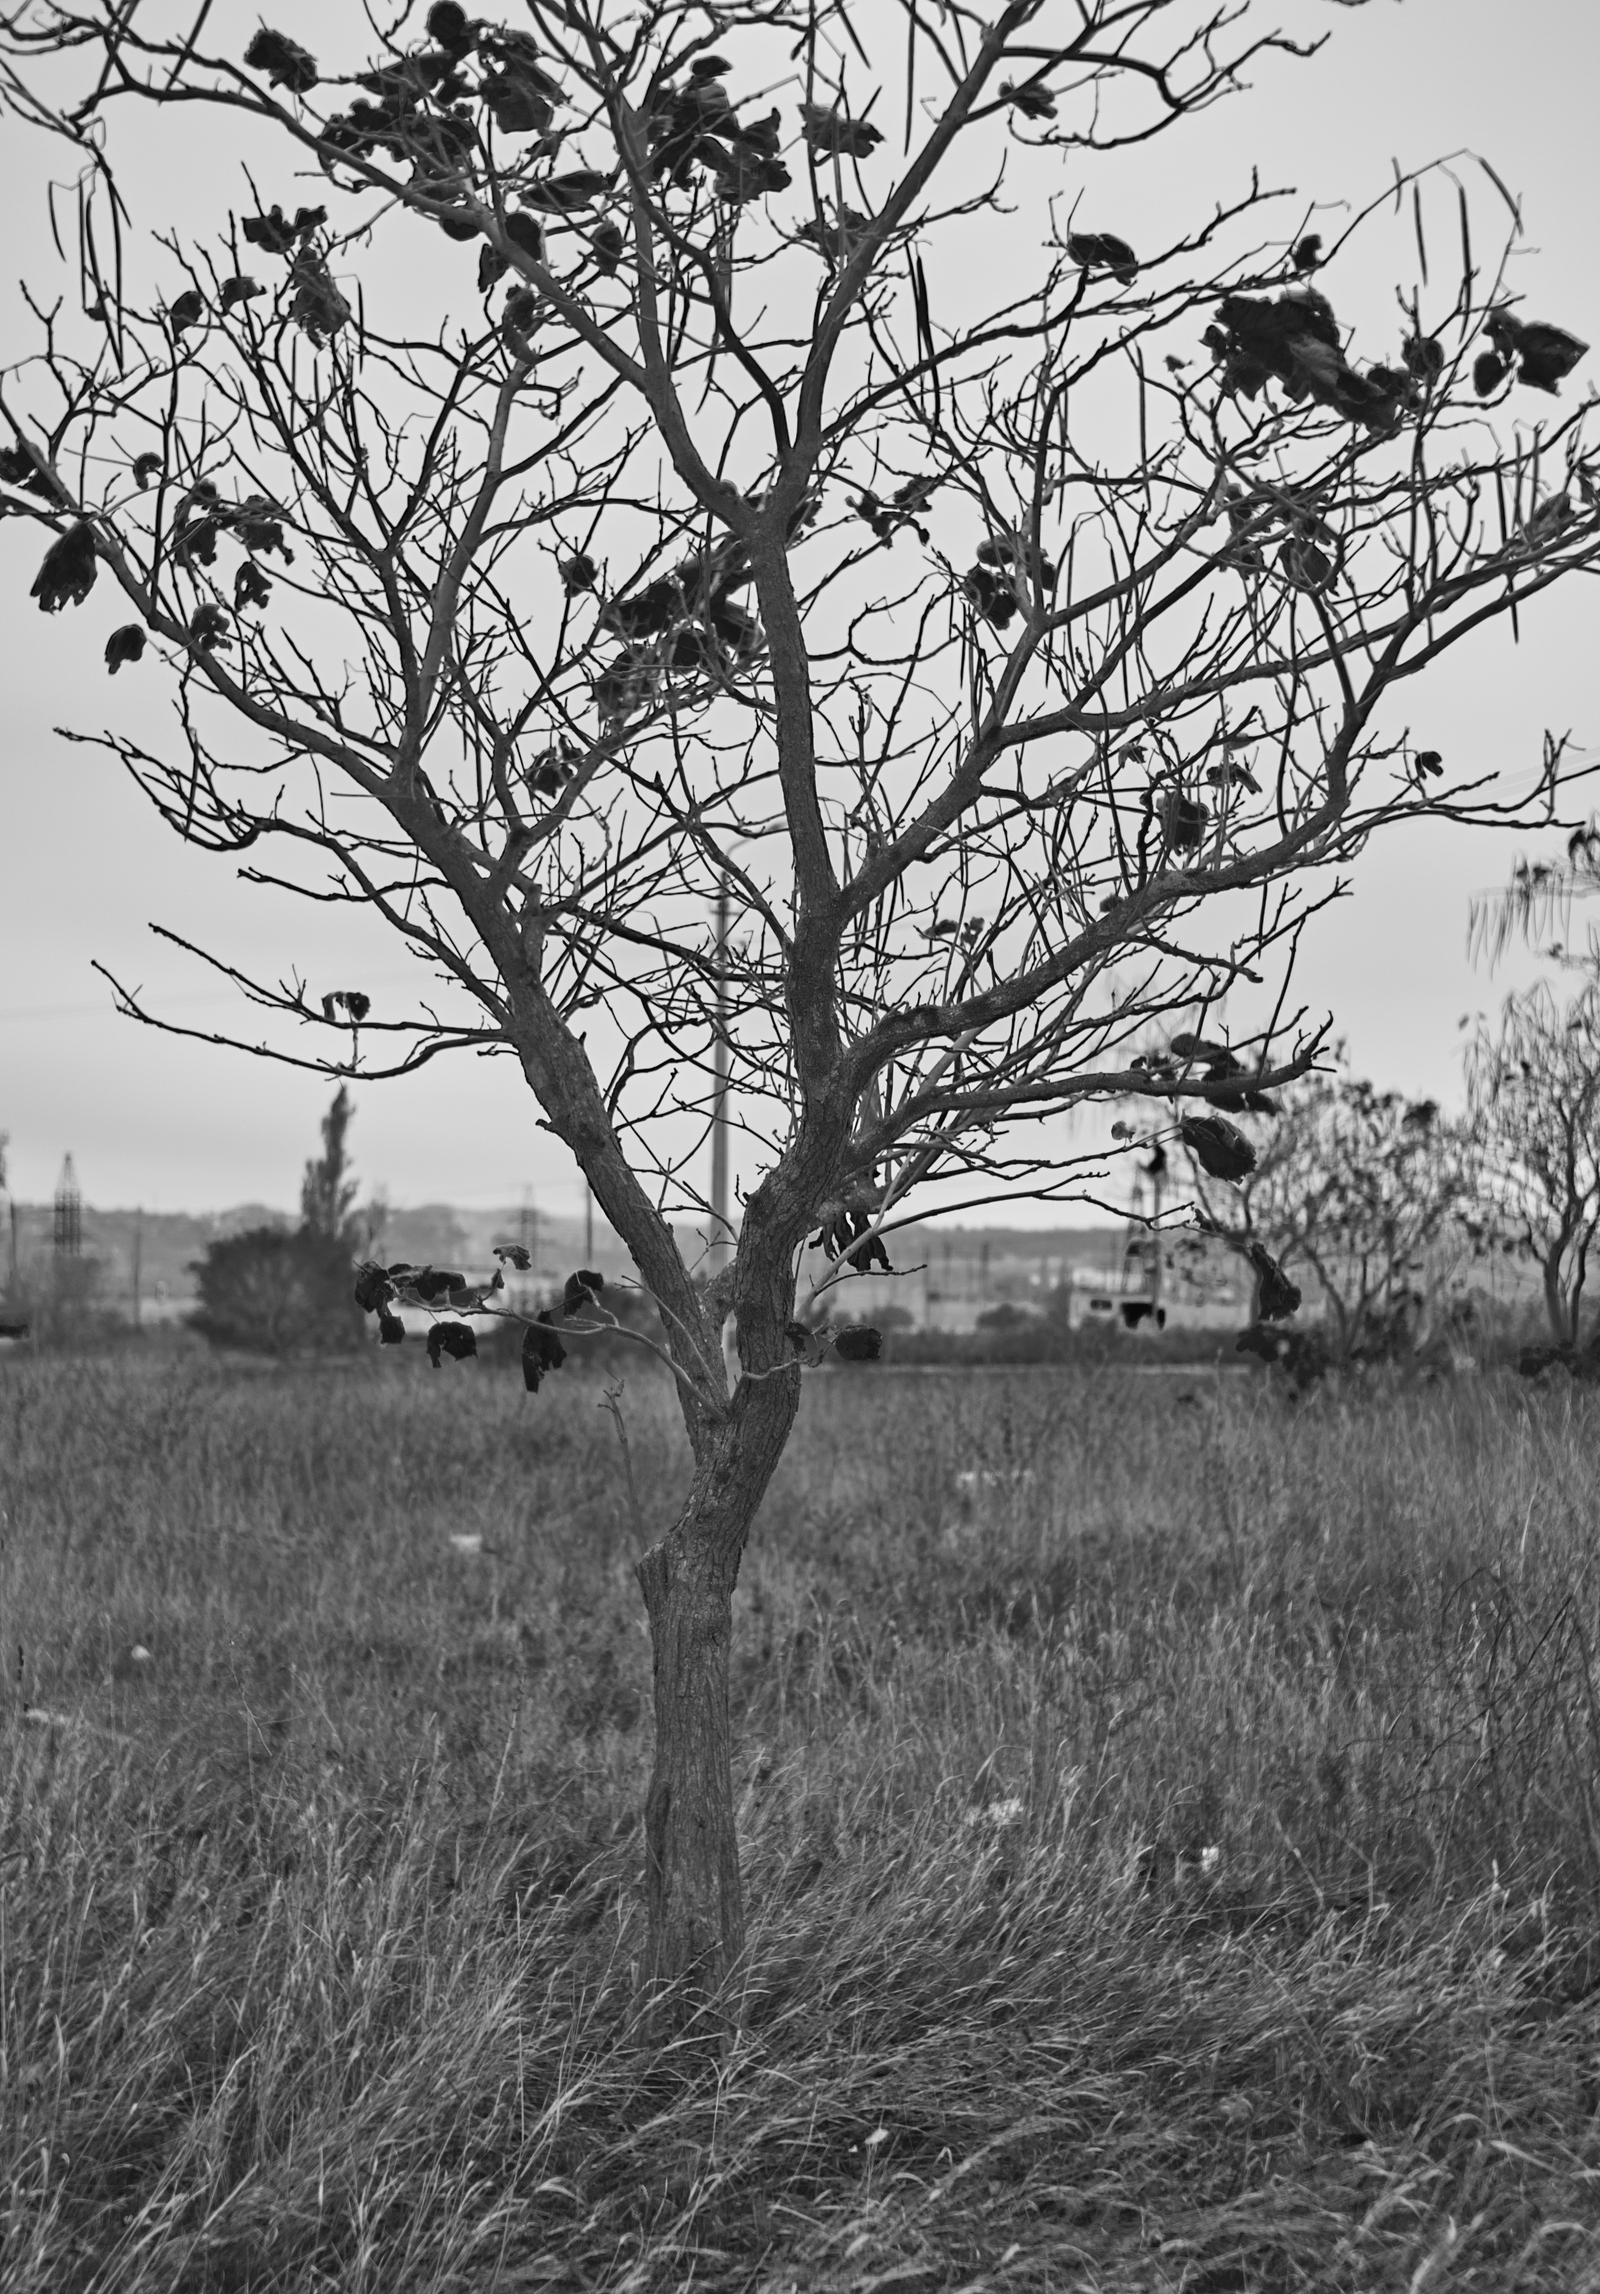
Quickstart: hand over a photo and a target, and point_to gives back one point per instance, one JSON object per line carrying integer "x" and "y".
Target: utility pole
{"x": 720, "y": 1239}
{"x": 138, "y": 1261}
{"x": 68, "y": 1212}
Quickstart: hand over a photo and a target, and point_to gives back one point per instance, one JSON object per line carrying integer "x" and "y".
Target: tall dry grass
{"x": 1169, "y": 1822}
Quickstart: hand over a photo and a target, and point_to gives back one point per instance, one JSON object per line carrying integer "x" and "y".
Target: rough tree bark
{"x": 693, "y": 1893}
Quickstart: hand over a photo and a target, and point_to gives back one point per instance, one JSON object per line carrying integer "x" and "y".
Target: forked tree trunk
{"x": 693, "y": 1894}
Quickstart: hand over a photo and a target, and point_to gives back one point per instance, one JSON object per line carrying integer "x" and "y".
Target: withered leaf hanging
{"x": 453, "y": 1338}
{"x": 68, "y": 572}
{"x": 349, "y": 1000}
{"x": 276, "y": 234}
{"x": 1217, "y": 1146}
{"x": 285, "y": 63}
{"x": 581, "y": 1291}
{"x": 431, "y": 1282}
{"x": 126, "y": 644}
{"x": 827, "y": 131}
{"x": 1104, "y": 251}
{"x": 542, "y": 1351}
{"x": 374, "y": 1289}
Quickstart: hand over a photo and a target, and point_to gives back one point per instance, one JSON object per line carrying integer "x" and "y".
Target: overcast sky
{"x": 85, "y": 867}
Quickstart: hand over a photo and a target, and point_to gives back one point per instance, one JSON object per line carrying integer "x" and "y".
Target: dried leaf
{"x": 125, "y": 644}
{"x": 453, "y": 1338}
{"x": 581, "y": 1291}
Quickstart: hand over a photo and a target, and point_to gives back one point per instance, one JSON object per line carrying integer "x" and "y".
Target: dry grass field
{"x": 1172, "y": 1849}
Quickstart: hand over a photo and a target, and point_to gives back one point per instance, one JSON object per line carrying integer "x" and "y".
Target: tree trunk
{"x": 693, "y": 1896}
{"x": 1562, "y": 1319}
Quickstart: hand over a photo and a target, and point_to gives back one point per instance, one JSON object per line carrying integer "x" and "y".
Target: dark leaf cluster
{"x": 125, "y": 644}
{"x": 551, "y": 770}
{"x": 1218, "y": 1146}
{"x": 830, "y": 133}
{"x": 902, "y": 508}
{"x": 1222, "y": 1067}
{"x": 1538, "y": 354}
{"x": 542, "y": 1350}
{"x": 835, "y": 240}
{"x": 1310, "y": 553}
{"x": 457, "y": 1339}
{"x": 519, "y": 93}
{"x": 686, "y": 622}
{"x": 581, "y": 1290}
{"x": 566, "y": 194}
{"x": 844, "y": 1221}
{"x": 18, "y": 468}
{"x": 1183, "y": 818}
{"x": 1032, "y": 100}
{"x": 285, "y": 63}
{"x": 209, "y": 628}
{"x": 1293, "y": 339}
{"x": 694, "y": 128}
{"x": 316, "y": 306}
{"x": 277, "y": 234}
{"x": 348, "y": 1000}
{"x": 995, "y": 584}
{"x": 1103, "y": 251}
{"x": 68, "y": 572}
{"x": 607, "y": 249}
{"x": 250, "y": 587}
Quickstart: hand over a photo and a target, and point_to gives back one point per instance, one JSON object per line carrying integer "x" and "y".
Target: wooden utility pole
{"x": 138, "y": 1262}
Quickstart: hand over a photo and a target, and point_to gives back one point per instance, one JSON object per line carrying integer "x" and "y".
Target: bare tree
{"x": 1361, "y": 1196}
{"x": 675, "y": 454}
{"x": 1533, "y": 1086}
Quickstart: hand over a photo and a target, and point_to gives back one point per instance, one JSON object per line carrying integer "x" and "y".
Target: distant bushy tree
{"x": 1533, "y": 1085}
{"x": 1360, "y": 1196}
{"x": 275, "y": 1290}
